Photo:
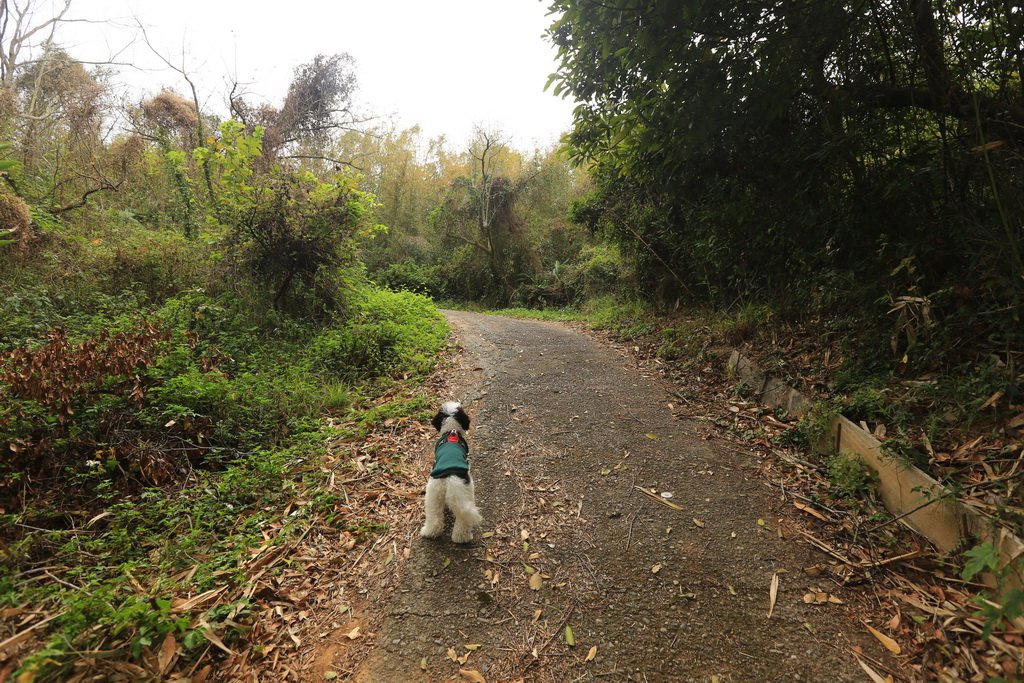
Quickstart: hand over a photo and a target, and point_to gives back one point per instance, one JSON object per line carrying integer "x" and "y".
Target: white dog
{"x": 449, "y": 484}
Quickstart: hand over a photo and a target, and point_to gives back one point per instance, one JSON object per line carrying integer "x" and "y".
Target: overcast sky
{"x": 443, "y": 64}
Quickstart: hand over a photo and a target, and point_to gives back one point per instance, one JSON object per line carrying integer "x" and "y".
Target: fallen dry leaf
{"x": 803, "y": 507}
{"x": 214, "y": 638}
{"x": 890, "y": 644}
{"x": 773, "y": 594}
{"x": 894, "y": 623}
{"x": 653, "y": 495}
{"x": 591, "y": 654}
{"x": 353, "y": 634}
{"x": 472, "y": 675}
{"x": 870, "y": 672}
{"x": 453, "y": 655}
{"x": 656, "y": 568}
{"x": 167, "y": 650}
{"x": 536, "y": 615}
{"x": 536, "y": 582}
{"x": 817, "y": 597}
{"x": 698, "y": 522}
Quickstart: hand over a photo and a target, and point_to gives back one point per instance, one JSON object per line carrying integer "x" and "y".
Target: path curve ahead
{"x": 565, "y": 428}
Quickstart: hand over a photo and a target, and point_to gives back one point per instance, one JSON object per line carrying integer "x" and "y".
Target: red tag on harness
{"x": 453, "y": 437}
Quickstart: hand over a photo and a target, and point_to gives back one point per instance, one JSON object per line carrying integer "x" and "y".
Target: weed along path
{"x": 619, "y": 542}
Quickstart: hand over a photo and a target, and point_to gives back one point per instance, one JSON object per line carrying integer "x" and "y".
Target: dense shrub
{"x": 390, "y": 333}
{"x": 289, "y": 233}
{"x": 193, "y": 379}
{"x": 413, "y": 276}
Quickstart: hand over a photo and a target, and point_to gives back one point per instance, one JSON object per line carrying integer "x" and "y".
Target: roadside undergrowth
{"x": 142, "y": 503}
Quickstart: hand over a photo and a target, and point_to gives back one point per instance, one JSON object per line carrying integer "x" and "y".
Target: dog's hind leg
{"x": 461, "y": 501}
{"x": 433, "y": 506}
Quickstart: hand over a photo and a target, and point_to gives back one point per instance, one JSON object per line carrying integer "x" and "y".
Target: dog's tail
{"x": 458, "y": 496}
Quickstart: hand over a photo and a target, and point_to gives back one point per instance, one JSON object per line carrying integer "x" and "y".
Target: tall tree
{"x": 751, "y": 145}
{"x": 480, "y": 210}
{"x": 317, "y": 108}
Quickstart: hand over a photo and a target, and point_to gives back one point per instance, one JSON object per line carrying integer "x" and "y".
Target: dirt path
{"x": 565, "y": 431}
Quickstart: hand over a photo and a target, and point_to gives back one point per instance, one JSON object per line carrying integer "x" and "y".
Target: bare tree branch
{"x": 317, "y": 157}
{"x": 200, "y": 129}
{"x": 104, "y": 187}
{"x": 22, "y": 34}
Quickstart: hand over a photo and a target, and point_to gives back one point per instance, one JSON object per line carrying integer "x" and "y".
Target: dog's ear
{"x": 462, "y": 418}
{"x": 438, "y": 419}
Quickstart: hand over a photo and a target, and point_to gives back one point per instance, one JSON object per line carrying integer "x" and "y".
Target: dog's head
{"x": 451, "y": 410}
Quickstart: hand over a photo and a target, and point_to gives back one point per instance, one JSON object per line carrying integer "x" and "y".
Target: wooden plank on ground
{"x": 904, "y": 489}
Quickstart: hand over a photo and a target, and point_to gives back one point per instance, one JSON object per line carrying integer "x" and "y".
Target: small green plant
{"x": 849, "y": 473}
{"x": 744, "y": 390}
{"x": 1007, "y": 602}
{"x": 813, "y": 426}
{"x": 867, "y": 403}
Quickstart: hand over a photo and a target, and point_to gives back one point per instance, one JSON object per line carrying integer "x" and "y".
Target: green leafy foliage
{"x": 1007, "y": 603}
{"x": 387, "y": 334}
{"x": 412, "y": 276}
{"x": 981, "y": 558}
{"x": 486, "y": 224}
{"x": 230, "y": 403}
{"x": 740, "y": 154}
{"x": 628, "y": 319}
{"x": 8, "y": 236}
{"x": 179, "y": 384}
{"x": 850, "y": 475}
{"x": 290, "y": 233}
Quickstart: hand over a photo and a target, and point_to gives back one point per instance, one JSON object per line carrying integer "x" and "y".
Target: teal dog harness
{"x": 451, "y": 456}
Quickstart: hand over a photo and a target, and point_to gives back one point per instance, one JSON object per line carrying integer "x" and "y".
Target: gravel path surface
{"x": 566, "y": 433}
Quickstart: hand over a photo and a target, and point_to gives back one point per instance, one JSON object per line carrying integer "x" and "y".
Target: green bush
{"x": 412, "y": 276}
{"x": 391, "y": 333}
{"x": 602, "y": 269}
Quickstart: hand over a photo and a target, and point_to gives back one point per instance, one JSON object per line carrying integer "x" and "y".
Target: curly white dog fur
{"x": 450, "y": 484}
